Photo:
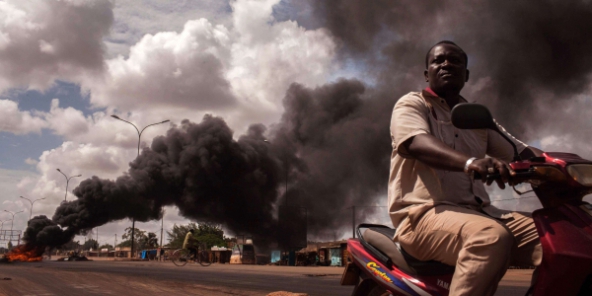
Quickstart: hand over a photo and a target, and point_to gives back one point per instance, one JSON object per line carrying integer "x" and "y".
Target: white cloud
{"x": 169, "y": 69}
{"x": 210, "y": 68}
{"x": 31, "y": 161}
{"x": 41, "y": 41}
{"x": 14, "y": 121}
{"x": 134, "y": 19}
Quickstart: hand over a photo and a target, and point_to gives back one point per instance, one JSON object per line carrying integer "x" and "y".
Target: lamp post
{"x": 139, "y": 137}
{"x": 12, "y": 221}
{"x": 32, "y": 203}
{"x": 2, "y": 227}
{"x": 67, "y": 181}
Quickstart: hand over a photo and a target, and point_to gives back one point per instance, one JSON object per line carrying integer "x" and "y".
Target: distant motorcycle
{"x": 380, "y": 266}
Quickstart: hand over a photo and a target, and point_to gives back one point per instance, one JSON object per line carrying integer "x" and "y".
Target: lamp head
{"x": 115, "y": 116}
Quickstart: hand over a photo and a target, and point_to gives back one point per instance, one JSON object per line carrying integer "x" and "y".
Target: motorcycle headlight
{"x": 582, "y": 173}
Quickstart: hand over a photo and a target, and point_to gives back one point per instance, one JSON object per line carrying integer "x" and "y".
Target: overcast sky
{"x": 67, "y": 66}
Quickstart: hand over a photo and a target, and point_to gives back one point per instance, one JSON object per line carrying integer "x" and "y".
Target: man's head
{"x": 192, "y": 231}
{"x": 446, "y": 68}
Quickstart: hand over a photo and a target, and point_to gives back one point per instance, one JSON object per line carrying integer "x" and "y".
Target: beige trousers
{"x": 481, "y": 247}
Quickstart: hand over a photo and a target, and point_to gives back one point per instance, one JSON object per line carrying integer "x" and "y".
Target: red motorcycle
{"x": 379, "y": 266}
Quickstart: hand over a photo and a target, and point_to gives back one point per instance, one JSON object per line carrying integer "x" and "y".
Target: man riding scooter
{"x": 439, "y": 211}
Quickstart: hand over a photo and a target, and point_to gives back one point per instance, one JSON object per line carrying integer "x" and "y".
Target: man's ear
{"x": 467, "y": 79}
{"x": 425, "y": 74}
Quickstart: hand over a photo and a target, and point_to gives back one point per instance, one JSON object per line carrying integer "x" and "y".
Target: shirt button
{"x": 456, "y": 135}
{"x": 442, "y": 101}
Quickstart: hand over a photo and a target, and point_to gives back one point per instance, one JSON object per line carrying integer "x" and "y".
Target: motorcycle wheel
{"x": 378, "y": 291}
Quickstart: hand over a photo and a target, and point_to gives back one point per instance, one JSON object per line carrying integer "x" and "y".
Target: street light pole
{"x": 139, "y": 137}
{"x": 2, "y": 227}
{"x": 12, "y": 221}
{"x": 32, "y": 203}
{"x": 67, "y": 181}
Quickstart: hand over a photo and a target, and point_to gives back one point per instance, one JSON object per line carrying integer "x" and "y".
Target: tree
{"x": 90, "y": 244}
{"x": 208, "y": 233}
{"x": 140, "y": 239}
{"x": 149, "y": 242}
{"x": 106, "y": 246}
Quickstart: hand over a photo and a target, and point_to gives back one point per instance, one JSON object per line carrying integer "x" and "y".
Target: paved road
{"x": 155, "y": 278}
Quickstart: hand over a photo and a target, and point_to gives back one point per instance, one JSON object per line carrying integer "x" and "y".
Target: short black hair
{"x": 446, "y": 42}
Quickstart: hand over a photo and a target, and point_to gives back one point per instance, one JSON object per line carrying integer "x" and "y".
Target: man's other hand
{"x": 488, "y": 166}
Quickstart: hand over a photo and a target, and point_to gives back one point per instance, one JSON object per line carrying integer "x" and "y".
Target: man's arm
{"x": 433, "y": 152}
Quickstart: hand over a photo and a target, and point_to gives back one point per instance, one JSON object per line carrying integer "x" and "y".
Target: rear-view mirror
{"x": 475, "y": 116}
{"x": 472, "y": 116}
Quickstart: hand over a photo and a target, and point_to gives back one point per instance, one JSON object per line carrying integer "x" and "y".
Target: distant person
{"x": 190, "y": 243}
{"x": 439, "y": 211}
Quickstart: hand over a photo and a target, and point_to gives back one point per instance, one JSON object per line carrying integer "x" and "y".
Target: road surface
{"x": 163, "y": 278}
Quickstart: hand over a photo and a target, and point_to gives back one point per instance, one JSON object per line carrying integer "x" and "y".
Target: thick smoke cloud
{"x": 340, "y": 134}
{"x": 199, "y": 168}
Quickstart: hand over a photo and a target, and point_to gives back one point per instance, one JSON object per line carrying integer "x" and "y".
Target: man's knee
{"x": 494, "y": 237}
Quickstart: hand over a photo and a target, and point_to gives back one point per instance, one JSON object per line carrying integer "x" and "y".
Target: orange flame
{"x": 26, "y": 253}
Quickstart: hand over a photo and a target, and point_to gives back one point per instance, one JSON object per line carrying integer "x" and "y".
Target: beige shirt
{"x": 414, "y": 187}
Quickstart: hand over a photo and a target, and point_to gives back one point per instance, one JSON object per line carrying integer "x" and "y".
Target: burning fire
{"x": 26, "y": 253}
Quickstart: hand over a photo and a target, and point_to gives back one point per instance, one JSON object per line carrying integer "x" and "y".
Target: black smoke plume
{"x": 199, "y": 168}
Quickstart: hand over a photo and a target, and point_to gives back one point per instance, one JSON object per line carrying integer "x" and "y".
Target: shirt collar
{"x": 428, "y": 92}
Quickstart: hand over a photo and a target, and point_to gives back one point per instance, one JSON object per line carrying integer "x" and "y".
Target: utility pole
{"x": 161, "y": 229}
{"x": 139, "y": 137}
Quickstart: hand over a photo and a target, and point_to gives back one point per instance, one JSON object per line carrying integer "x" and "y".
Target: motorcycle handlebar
{"x": 518, "y": 176}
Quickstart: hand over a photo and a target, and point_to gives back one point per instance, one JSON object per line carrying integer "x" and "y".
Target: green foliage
{"x": 90, "y": 244}
{"x": 106, "y": 246}
{"x": 210, "y": 234}
{"x": 149, "y": 242}
{"x": 141, "y": 239}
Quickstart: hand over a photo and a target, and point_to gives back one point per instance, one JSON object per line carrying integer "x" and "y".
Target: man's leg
{"x": 529, "y": 251}
{"x": 528, "y": 246}
{"x": 478, "y": 245}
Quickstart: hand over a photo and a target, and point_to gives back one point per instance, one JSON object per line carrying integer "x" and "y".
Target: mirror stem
{"x": 516, "y": 154}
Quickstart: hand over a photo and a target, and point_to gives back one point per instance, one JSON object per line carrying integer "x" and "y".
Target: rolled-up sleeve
{"x": 410, "y": 118}
{"x": 499, "y": 147}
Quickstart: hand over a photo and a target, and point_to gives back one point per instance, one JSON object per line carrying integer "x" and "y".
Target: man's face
{"x": 447, "y": 69}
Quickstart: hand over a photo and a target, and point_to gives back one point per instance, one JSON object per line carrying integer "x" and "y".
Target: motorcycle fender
{"x": 351, "y": 275}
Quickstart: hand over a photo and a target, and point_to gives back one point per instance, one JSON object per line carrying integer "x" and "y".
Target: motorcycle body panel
{"x": 566, "y": 238}
{"x": 393, "y": 279}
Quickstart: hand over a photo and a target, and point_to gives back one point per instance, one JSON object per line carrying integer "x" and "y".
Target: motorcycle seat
{"x": 381, "y": 238}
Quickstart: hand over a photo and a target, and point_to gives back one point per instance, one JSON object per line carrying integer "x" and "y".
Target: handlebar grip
{"x": 489, "y": 177}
